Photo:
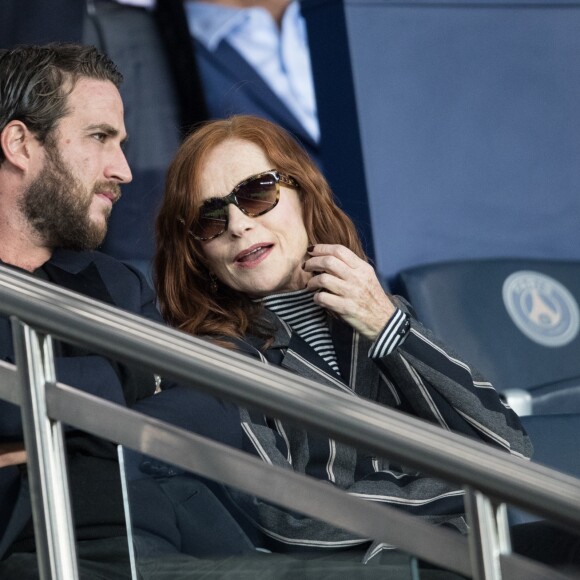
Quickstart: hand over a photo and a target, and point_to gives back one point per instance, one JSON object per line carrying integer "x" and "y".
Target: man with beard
{"x": 61, "y": 168}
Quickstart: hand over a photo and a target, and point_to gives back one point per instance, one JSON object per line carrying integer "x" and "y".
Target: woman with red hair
{"x": 254, "y": 253}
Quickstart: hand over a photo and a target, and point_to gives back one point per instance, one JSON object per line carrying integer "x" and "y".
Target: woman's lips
{"x": 253, "y": 255}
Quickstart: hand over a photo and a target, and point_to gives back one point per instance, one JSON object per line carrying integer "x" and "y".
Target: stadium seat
{"x": 555, "y": 439}
{"x": 516, "y": 320}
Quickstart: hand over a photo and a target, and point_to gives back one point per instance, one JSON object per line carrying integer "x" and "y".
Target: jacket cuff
{"x": 392, "y": 335}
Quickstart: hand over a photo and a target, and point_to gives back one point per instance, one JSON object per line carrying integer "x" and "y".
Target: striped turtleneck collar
{"x": 306, "y": 318}
{"x": 288, "y": 305}
{"x": 310, "y": 321}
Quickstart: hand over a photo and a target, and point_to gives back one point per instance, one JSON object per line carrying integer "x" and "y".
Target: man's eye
{"x": 100, "y": 137}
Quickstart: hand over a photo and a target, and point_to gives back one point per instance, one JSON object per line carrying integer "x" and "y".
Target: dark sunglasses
{"x": 254, "y": 196}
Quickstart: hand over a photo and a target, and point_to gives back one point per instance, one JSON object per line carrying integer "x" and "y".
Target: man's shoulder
{"x": 94, "y": 265}
{"x": 75, "y": 261}
{"x": 102, "y": 277}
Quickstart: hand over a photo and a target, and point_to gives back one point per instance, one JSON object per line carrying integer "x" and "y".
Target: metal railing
{"x": 40, "y": 310}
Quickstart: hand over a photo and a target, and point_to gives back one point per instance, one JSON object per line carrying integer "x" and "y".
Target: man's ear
{"x": 18, "y": 144}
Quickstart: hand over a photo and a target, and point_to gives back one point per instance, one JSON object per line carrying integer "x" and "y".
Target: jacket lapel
{"x": 291, "y": 352}
{"x": 78, "y": 272}
{"x": 356, "y": 368}
{"x": 230, "y": 64}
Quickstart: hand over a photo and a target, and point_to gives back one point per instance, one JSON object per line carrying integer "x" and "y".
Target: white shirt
{"x": 279, "y": 56}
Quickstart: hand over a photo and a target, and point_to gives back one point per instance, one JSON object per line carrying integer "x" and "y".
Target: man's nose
{"x": 118, "y": 168}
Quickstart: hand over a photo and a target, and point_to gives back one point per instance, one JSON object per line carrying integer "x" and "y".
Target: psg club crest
{"x": 541, "y": 307}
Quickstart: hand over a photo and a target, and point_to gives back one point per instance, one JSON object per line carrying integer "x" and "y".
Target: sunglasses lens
{"x": 212, "y": 219}
{"x": 258, "y": 195}
{"x": 255, "y": 197}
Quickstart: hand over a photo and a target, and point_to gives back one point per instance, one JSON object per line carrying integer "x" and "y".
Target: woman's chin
{"x": 263, "y": 286}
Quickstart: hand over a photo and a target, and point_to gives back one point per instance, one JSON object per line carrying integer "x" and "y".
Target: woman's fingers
{"x": 349, "y": 287}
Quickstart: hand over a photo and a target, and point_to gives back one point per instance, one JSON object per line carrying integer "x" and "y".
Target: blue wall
{"x": 463, "y": 119}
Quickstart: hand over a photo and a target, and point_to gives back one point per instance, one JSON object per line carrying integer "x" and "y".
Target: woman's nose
{"x": 238, "y": 221}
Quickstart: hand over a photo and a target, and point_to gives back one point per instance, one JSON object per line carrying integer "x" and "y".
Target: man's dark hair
{"x": 35, "y": 82}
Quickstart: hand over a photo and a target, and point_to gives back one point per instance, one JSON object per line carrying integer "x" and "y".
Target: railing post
{"x": 49, "y": 492}
{"x": 484, "y": 540}
{"x": 127, "y": 510}
{"x": 503, "y": 529}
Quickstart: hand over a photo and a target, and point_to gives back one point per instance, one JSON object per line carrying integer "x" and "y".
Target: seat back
{"x": 555, "y": 439}
{"x": 516, "y": 320}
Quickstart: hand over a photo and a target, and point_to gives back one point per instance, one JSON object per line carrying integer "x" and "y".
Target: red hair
{"x": 182, "y": 278}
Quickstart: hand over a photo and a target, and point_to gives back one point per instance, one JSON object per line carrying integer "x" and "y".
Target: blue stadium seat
{"x": 555, "y": 439}
{"x": 516, "y": 320}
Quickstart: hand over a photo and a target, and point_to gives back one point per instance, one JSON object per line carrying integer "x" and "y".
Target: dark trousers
{"x": 106, "y": 559}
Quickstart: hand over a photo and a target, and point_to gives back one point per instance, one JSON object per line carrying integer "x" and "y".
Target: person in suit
{"x": 253, "y": 58}
{"x": 254, "y": 253}
{"x": 61, "y": 170}
{"x": 161, "y": 94}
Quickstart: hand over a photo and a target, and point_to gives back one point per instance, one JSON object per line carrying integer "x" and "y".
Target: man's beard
{"x": 57, "y": 205}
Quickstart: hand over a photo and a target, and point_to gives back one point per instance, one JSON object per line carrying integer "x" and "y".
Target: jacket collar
{"x": 78, "y": 271}
{"x": 71, "y": 261}
{"x": 290, "y": 351}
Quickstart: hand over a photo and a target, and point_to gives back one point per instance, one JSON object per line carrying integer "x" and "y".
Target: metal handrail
{"x": 74, "y": 318}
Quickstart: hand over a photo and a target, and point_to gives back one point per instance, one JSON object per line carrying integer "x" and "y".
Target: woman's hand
{"x": 349, "y": 287}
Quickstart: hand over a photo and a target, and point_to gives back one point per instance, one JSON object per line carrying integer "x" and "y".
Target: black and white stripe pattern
{"x": 391, "y": 336}
{"x": 307, "y": 319}
{"x": 406, "y": 368}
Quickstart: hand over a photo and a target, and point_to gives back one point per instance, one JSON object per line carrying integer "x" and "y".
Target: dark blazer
{"x": 232, "y": 86}
{"x": 92, "y": 466}
{"x": 220, "y": 83}
{"x": 421, "y": 377}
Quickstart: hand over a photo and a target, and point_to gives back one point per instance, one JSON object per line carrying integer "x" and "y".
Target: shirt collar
{"x": 211, "y": 23}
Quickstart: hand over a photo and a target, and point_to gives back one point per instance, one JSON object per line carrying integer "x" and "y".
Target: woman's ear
{"x": 18, "y": 144}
